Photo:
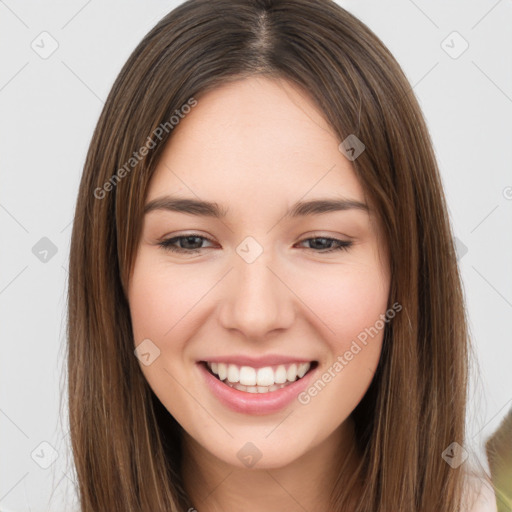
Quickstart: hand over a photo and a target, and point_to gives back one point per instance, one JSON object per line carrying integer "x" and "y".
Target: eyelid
{"x": 324, "y": 234}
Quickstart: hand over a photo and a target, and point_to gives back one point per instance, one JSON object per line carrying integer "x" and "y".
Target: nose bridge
{"x": 255, "y": 300}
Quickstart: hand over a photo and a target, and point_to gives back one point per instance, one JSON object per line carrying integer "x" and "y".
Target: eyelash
{"x": 343, "y": 245}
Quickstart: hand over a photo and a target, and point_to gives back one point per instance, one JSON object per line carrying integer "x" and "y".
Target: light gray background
{"x": 50, "y": 107}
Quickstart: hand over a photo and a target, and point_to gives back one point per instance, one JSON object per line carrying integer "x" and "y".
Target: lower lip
{"x": 255, "y": 403}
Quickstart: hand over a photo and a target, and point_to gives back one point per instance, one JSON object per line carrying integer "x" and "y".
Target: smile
{"x": 257, "y": 386}
{"x": 266, "y": 379}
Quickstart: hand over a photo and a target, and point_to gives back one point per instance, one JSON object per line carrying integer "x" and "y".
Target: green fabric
{"x": 499, "y": 453}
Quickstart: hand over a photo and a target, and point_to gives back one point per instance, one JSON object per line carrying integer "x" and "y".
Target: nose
{"x": 257, "y": 300}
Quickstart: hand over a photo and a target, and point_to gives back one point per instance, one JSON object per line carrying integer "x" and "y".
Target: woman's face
{"x": 252, "y": 285}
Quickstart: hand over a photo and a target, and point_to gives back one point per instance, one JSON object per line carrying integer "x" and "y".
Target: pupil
{"x": 190, "y": 239}
{"x": 316, "y": 243}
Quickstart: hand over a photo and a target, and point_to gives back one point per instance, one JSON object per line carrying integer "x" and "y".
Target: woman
{"x": 261, "y": 222}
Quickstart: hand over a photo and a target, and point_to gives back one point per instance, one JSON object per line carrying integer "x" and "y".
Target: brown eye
{"x": 186, "y": 243}
{"x": 326, "y": 244}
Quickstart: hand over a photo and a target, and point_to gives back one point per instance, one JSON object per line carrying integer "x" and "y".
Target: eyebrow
{"x": 212, "y": 209}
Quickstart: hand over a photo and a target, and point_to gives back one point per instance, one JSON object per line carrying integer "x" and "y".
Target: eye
{"x": 185, "y": 243}
{"x": 318, "y": 243}
{"x": 193, "y": 244}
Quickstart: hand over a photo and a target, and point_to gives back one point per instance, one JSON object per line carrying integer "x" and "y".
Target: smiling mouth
{"x": 259, "y": 380}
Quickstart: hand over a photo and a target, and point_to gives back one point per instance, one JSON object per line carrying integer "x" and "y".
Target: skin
{"x": 256, "y": 146}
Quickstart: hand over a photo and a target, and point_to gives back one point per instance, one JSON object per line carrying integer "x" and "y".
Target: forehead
{"x": 254, "y": 139}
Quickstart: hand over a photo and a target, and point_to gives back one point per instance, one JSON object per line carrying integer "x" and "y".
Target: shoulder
{"x": 479, "y": 496}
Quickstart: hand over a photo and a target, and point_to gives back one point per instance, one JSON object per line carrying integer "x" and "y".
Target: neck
{"x": 304, "y": 484}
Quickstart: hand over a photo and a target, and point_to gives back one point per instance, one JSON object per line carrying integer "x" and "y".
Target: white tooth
{"x": 240, "y": 387}
{"x": 273, "y": 388}
{"x": 262, "y": 389}
{"x": 265, "y": 376}
{"x": 247, "y": 376}
{"x": 233, "y": 373}
{"x": 280, "y": 375}
{"x": 252, "y": 389}
{"x": 303, "y": 368}
{"x": 213, "y": 367}
{"x": 222, "y": 371}
{"x": 291, "y": 374}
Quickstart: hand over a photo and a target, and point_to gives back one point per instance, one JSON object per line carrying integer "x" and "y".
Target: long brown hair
{"x": 126, "y": 446}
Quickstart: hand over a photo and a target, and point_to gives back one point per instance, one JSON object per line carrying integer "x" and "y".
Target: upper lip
{"x": 257, "y": 362}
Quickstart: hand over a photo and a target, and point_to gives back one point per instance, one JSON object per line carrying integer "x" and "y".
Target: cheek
{"x": 159, "y": 303}
{"x": 159, "y": 299}
{"x": 347, "y": 301}
{"x": 350, "y": 306}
